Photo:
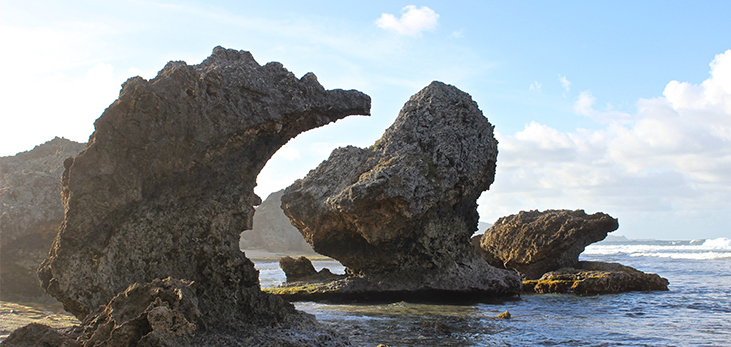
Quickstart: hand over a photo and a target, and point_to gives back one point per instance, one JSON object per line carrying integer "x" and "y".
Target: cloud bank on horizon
{"x": 671, "y": 161}
{"x": 661, "y": 163}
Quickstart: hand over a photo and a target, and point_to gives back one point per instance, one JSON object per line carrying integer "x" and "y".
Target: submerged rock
{"x": 272, "y": 230}
{"x": 535, "y": 242}
{"x": 591, "y": 277}
{"x": 165, "y": 187}
{"x": 399, "y": 214}
{"x": 31, "y": 213}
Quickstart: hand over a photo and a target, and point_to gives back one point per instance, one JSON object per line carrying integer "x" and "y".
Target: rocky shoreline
{"x": 154, "y": 206}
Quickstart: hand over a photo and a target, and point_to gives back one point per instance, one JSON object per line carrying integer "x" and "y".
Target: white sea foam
{"x": 719, "y": 243}
{"x": 719, "y": 248}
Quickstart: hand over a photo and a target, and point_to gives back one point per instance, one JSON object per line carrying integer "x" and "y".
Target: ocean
{"x": 696, "y": 311}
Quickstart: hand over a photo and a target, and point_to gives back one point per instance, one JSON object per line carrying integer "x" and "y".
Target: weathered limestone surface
{"x": 592, "y": 277}
{"x": 165, "y": 187}
{"x": 31, "y": 213}
{"x": 272, "y": 230}
{"x": 399, "y": 214}
{"x": 535, "y": 242}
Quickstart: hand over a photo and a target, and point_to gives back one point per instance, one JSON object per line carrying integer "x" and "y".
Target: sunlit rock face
{"x": 401, "y": 212}
{"x": 31, "y": 213}
{"x": 535, "y": 242}
{"x": 165, "y": 186}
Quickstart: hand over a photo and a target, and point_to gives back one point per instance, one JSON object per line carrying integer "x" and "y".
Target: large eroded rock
{"x": 31, "y": 213}
{"x": 166, "y": 186}
{"x": 535, "y": 242}
{"x": 401, "y": 212}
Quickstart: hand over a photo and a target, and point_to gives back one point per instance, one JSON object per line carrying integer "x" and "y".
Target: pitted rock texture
{"x": 593, "y": 277}
{"x": 402, "y": 211}
{"x": 165, "y": 186}
{"x": 159, "y": 313}
{"x": 272, "y": 230}
{"x": 31, "y": 213}
{"x": 535, "y": 242}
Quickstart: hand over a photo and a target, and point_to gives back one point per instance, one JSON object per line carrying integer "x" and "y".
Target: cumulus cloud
{"x": 668, "y": 163}
{"x": 414, "y": 20}
{"x": 535, "y": 86}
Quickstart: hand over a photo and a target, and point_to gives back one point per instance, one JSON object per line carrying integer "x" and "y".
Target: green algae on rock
{"x": 590, "y": 277}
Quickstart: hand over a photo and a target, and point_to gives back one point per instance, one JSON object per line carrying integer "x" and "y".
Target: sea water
{"x": 696, "y": 311}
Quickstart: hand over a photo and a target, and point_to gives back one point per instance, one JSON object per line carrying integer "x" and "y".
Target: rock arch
{"x": 165, "y": 186}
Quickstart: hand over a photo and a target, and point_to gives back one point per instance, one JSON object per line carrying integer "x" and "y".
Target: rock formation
{"x": 273, "y": 231}
{"x": 31, "y": 213}
{"x": 301, "y": 269}
{"x": 166, "y": 186}
{"x": 591, "y": 277}
{"x": 399, "y": 215}
{"x": 535, "y": 242}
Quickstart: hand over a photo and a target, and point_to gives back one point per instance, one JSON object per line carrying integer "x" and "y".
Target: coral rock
{"x": 401, "y": 212}
{"x": 590, "y": 277}
{"x": 165, "y": 187}
{"x": 535, "y": 242}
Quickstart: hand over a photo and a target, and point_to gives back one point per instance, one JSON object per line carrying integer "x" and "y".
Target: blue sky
{"x": 615, "y": 106}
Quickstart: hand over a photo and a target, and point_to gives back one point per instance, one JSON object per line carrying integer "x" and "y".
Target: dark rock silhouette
{"x": 272, "y": 230}
{"x": 592, "y": 277}
{"x": 535, "y": 242}
{"x": 31, "y": 213}
{"x": 301, "y": 269}
{"x": 166, "y": 186}
{"x": 296, "y": 268}
{"x": 399, "y": 215}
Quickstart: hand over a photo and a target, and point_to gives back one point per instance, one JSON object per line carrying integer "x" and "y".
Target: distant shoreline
{"x": 262, "y": 254}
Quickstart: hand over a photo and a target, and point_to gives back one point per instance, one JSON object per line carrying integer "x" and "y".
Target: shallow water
{"x": 695, "y": 312}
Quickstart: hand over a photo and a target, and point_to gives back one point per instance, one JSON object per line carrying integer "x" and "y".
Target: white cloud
{"x": 669, "y": 163}
{"x": 414, "y": 20}
{"x": 584, "y": 106}
{"x": 458, "y": 34}
{"x": 289, "y": 153}
{"x": 535, "y": 86}
{"x": 565, "y": 83}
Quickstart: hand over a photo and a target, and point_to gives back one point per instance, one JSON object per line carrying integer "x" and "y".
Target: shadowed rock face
{"x": 535, "y": 242}
{"x": 31, "y": 212}
{"x": 402, "y": 211}
{"x": 166, "y": 185}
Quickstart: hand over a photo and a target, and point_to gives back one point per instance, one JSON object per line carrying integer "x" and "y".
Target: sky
{"x": 622, "y": 107}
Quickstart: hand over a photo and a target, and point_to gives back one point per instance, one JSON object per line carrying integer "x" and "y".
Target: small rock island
{"x": 544, "y": 248}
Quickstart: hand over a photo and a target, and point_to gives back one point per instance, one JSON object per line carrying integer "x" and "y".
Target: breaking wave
{"x": 709, "y": 249}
